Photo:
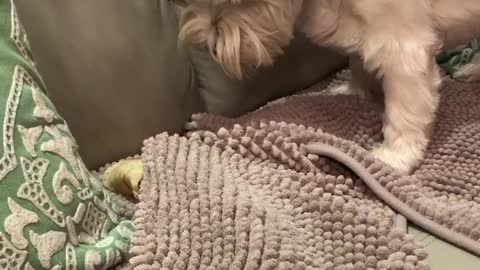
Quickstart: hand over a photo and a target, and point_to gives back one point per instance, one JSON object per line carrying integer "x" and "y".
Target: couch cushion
{"x": 113, "y": 70}
{"x": 116, "y": 74}
{"x": 302, "y": 65}
{"x": 54, "y": 213}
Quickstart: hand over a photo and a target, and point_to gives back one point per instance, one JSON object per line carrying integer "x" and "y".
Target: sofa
{"x": 122, "y": 59}
{"x": 115, "y": 73}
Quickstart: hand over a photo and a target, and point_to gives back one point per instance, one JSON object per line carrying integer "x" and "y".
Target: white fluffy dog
{"x": 392, "y": 46}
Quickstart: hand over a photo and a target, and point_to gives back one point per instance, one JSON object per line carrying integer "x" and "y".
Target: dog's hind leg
{"x": 361, "y": 83}
{"x": 365, "y": 83}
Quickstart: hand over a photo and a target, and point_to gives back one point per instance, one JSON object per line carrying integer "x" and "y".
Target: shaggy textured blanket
{"x": 253, "y": 193}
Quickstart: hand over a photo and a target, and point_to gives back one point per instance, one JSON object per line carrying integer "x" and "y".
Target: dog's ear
{"x": 196, "y": 26}
{"x": 241, "y": 47}
{"x": 240, "y": 38}
{"x": 230, "y": 40}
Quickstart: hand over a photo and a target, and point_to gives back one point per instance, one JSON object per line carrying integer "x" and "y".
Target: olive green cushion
{"x": 54, "y": 214}
{"x": 114, "y": 69}
{"x": 302, "y": 65}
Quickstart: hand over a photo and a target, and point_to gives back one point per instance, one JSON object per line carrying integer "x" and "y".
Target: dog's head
{"x": 241, "y": 35}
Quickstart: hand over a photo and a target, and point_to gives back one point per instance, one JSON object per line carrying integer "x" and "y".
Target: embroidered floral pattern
{"x": 47, "y": 244}
{"x": 17, "y": 33}
{"x": 16, "y": 222}
{"x": 54, "y": 213}
{"x": 30, "y": 137}
{"x": 33, "y": 190}
{"x": 10, "y": 257}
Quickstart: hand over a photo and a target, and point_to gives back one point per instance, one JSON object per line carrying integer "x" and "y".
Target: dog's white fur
{"x": 391, "y": 43}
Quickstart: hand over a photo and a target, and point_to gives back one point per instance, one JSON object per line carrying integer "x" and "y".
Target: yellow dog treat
{"x": 124, "y": 177}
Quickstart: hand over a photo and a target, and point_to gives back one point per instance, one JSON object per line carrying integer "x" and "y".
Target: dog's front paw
{"x": 403, "y": 160}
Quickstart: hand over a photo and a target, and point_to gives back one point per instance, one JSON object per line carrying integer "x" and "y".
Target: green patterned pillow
{"x": 54, "y": 213}
{"x": 455, "y": 60}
